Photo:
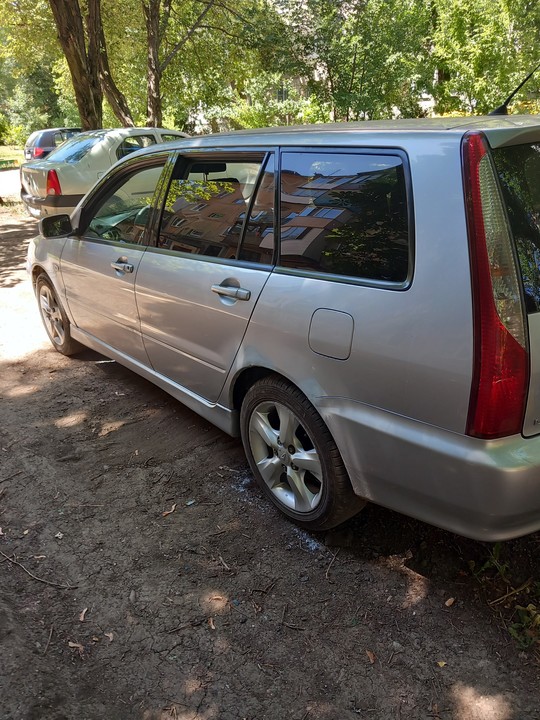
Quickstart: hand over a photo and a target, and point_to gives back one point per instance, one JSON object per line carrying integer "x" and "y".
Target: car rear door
{"x": 99, "y": 263}
{"x": 197, "y": 288}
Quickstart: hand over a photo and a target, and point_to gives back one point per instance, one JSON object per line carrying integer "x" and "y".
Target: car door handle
{"x": 122, "y": 266}
{"x": 232, "y": 292}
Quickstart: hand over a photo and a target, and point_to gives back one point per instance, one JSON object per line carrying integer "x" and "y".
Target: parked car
{"x": 361, "y": 302}
{"x": 57, "y": 184}
{"x": 42, "y": 142}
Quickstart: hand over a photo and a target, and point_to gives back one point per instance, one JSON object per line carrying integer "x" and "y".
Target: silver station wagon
{"x": 360, "y": 302}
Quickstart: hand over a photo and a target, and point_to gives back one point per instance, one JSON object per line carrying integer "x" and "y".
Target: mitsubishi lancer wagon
{"x": 359, "y": 302}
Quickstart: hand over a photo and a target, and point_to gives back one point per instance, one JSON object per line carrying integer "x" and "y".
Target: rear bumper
{"x": 486, "y": 490}
{"x": 39, "y": 207}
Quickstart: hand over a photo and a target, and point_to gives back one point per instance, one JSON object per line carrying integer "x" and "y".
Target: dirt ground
{"x": 142, "y": 575}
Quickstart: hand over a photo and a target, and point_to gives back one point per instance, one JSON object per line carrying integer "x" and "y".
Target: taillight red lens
{"x": 501, "y": 359}
{"x": 53, "y": 183}
{"x": 37, "y": 152}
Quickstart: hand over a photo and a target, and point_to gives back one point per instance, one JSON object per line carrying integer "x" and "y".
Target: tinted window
{"x": 130, "y": 144}
{"x": 205, "y": 210}
{"x": 32, "y": 137}
{"x": 345, "y": 214}
{"x": 76, "y": 148}
{"x": 519, "y": 172}
{"x": 123, "y": 214}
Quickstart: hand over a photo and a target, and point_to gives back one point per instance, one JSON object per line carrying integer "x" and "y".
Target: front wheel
{"x": 54, "y": 318}
{"x": 294, "y": 457}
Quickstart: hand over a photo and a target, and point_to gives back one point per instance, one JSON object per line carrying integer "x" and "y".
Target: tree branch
{"x": 180, "y": 44}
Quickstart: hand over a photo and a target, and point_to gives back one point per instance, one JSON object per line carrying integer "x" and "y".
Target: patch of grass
{"x": 11, "y": 152}
{"x": 516, "y": 603}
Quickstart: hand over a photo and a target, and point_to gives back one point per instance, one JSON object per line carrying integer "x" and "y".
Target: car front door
{"x": 196, "y": 290}
{"x": 99, "y": 264}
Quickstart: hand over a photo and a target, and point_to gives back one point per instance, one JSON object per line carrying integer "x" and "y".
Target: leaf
{"x": 82, "y": 614}
{"x": 441, "y": 663}
{"x": 168, "y": 512}
{"x": 371, "y": 656}
{"x": 76, "y": 646}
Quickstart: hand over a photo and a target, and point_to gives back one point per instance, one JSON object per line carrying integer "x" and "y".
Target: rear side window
{"x": 519, "y": 172}
{"x": 76, "y": 148}
{"x": 345, "y": 214}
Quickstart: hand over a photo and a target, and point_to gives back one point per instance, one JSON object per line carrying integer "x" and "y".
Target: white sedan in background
{"x": 57, "y": 184}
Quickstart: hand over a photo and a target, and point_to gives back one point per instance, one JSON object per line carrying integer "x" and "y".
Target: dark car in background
{"x": 42, "y": 142}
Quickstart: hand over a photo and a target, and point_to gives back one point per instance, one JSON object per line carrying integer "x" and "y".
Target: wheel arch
{"x": 247, "y": 378}
{"x": 38, "y": 271}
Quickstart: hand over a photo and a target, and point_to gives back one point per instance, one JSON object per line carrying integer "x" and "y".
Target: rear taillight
{"x": 37, "y": 152}
{"x": 53, "y": 183}
{"x": 501, "y": 358}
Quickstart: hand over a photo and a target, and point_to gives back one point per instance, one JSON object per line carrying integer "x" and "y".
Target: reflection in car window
{"x": 345, "y": 214}
{"x": 258, "y": 241}
{"x": 205, "y": 209}
{"x": 131, "y": 143}
{"x": 123, "y": 215}
{"x": 519, "y": 172}
{"x": 170, "y": 138}
{"x": 76, "y": 147}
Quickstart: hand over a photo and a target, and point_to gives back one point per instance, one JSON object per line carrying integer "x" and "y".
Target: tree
{"x": 483, "y": 50}
{"x": 364, "y": 58}
{"x": 81, "y": 47}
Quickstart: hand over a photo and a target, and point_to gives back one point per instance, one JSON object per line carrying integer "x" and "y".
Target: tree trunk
{"x": 82, "y": 67}
{"x": 154, "y": 113}
{"x": 115, "y": 98}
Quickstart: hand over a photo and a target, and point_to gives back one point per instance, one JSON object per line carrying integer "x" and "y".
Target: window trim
{"x": 350, "y": 279}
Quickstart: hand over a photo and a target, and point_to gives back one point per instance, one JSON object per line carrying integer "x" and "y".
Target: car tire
{"x": 54, "y": 318}
{"x": 293, "y": 456}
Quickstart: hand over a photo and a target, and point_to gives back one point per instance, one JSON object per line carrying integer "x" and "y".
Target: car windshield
{"x": 76, "y": 148}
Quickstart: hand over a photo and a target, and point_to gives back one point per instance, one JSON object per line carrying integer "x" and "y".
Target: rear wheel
{"x": 55, "y": 319}
{"x": 294, "y": 457}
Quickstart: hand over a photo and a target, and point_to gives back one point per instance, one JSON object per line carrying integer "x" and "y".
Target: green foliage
{"x": 516, "y": 604}
{"x": 4, "y": 129}
{"x": 366, "y": 60}
{"x": 194, "y": 190}
{"x": 526, "y": 627}
{"x": 493, "y": 562}
{"x": 265, "y": 101}
{"x": 482, "y": 51}
{"x": 276, "y": 62}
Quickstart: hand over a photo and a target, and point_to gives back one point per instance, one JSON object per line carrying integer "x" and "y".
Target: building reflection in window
{"x": 344, "y": 213}
{"x": 206, "y": 211}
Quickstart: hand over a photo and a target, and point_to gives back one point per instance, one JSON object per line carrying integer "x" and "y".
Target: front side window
{"x": 345, "y": 214}
{"x": 215, "y": 204}
{"x": 122, "y": 216}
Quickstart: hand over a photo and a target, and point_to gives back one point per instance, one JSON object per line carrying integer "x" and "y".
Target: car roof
{"x": 501, "y": 130}
{"x": 56, "y": 129}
